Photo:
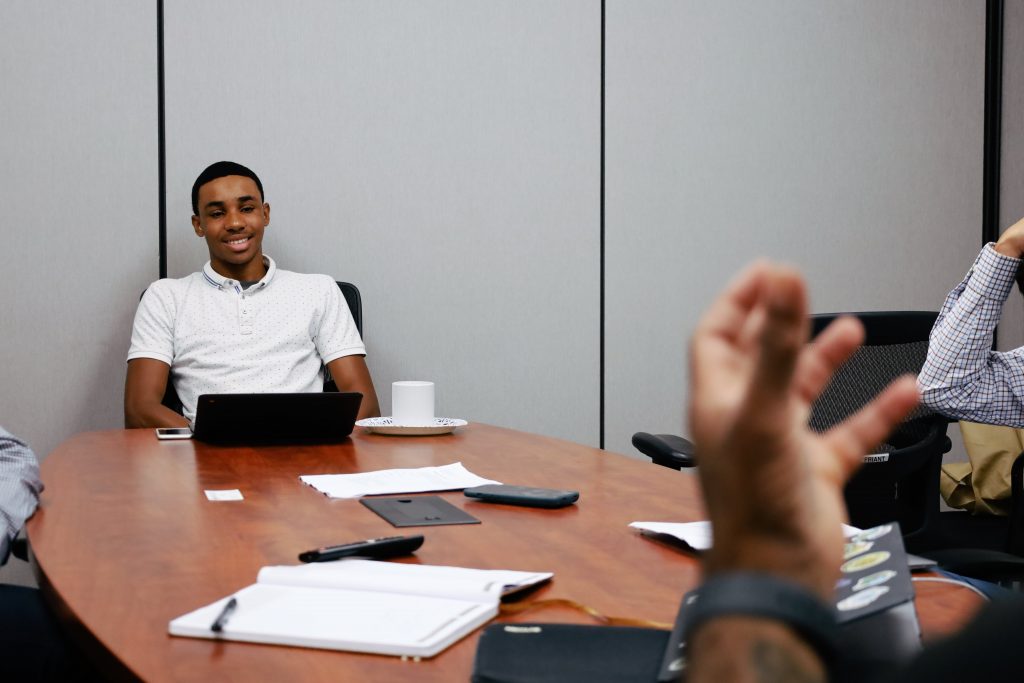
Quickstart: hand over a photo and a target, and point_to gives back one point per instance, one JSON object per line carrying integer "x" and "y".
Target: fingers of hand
{"x": 713, "y": 350}
{"x": 781, "y": 337}
{"x": 731, "y": 308}
{"x": 872, "y": 423}
{"x": 823, "y": 356}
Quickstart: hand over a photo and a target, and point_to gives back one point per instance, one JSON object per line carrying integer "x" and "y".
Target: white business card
{"x": 228, "y": 494}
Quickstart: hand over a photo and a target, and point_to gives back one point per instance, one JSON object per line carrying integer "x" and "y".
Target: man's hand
{"x": 773, "y": 488}
{"x": 1011, "y": 242}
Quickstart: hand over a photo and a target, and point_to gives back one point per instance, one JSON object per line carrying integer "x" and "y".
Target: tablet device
{"x": 276, "y": 418}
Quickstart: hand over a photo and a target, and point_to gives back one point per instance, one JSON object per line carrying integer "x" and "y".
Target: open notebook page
{"x": 394, "y": 577}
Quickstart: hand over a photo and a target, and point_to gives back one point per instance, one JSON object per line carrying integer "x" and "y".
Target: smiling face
{"x": 232, "y": 216}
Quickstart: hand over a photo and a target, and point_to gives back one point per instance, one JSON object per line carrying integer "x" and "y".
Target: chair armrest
{"x": 19, "y": 546}
{"x": 666, "y": 450}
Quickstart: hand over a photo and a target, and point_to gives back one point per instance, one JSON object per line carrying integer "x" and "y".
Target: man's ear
{"x": 266, "y": 214}
{"x": 196, "y": 226}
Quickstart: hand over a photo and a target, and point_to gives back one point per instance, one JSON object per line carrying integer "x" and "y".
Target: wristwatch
{"x": 769, "y": 597}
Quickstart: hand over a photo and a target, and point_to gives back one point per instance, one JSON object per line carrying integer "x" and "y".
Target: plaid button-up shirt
{"x": 963, "y": 377}
{"x": 19, "y": 488}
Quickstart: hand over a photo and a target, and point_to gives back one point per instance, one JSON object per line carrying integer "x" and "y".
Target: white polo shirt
{"x": 218, "y": 338}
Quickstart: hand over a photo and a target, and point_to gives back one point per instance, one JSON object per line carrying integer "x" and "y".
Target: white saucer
{"x": 385, "y": 425}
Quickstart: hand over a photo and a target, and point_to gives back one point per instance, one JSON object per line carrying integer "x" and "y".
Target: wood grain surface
{"x": 125, "y": 540}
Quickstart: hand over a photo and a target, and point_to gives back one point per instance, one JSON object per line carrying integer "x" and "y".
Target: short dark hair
{"x": 219, "y": 170}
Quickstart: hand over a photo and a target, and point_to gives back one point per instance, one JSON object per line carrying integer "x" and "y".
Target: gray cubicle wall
{"x": 1011, "y": 328}
{"x": 843, "y": 137}
{"x": 78, "y": 186}
{"x": 442, "y": 155}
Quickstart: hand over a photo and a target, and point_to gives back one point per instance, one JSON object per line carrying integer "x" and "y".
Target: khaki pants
{"x": 982, "y": 486}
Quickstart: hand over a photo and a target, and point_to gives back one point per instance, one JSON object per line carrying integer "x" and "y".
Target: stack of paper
{"x": 697, "y": 535}
{"x": 416, "y": 480}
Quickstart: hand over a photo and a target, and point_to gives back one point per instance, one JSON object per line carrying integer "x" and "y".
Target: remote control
{"x": 379, "y": 548}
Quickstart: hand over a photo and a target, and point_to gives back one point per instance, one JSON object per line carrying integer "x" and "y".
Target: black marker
{"x": 390, "y": 546}
{"x": 218, "y": 624}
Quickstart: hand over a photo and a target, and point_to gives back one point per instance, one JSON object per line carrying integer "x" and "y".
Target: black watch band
{"x": 764, "y": 595}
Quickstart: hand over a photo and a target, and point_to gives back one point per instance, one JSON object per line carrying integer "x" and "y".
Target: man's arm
{"x": 772, "y": 487}
{"x": 144, "y": 387}
{"x": 351, "y": 374}
{"x": 751, "y": 650}
{"x": 149, "y": 360}
{"x": 19, "y": 488}
{"x": 962, "y": 377}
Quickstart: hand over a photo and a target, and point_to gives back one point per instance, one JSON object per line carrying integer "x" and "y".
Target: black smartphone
{"x": 529, "y": 496}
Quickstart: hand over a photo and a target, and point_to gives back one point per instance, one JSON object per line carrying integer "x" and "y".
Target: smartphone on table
{"x": 165, "y": 433}
{"x": 528, "y": 496}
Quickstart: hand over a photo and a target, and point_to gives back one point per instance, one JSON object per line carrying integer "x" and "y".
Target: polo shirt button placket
{"x": 244, "y": 314}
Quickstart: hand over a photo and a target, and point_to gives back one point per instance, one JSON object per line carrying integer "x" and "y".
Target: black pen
{"x": 218, "y": 624}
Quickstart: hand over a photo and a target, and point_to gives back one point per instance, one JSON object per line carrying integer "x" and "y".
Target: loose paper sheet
{"x": 697, "y": 535}
{"x": 415, "y": 480}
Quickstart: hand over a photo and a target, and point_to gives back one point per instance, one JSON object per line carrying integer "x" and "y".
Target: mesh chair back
{"x": 862, "y": 377}
{"x": 904, "y": 485}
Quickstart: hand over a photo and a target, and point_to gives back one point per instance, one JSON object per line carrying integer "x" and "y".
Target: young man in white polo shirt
{"x": 240, "y": 325}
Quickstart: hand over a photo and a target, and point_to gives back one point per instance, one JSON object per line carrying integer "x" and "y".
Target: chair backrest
{"x": 355, "y": 307}
{"x": 902, "y": 482}
{"x": 895, "y": 343}
{"x": 355, "y": 303}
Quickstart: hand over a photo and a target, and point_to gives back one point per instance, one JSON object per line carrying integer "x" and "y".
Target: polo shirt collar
{"x": 220, "y": 282}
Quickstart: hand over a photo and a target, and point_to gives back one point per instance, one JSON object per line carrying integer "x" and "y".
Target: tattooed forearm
{"x": 751, "y": 650}
{"x": 773, "y": 661}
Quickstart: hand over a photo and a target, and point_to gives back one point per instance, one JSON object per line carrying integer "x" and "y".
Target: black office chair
{"x": 901, "y": 482}
{"x": 985, "y": 546}
{"x": 900, "y": 479}
{"x": 19, "y": 546}
{"x": 355, "y": 307}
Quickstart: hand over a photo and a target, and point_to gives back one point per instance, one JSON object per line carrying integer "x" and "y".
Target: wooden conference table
{"x": 125, "y": 540}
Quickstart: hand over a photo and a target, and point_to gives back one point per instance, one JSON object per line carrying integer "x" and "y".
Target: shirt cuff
{"x": 153, "y": 355}
{"x": 993, "y": 274}
{"x": 341, "y": 353}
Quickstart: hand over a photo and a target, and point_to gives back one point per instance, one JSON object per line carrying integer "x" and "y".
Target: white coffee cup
{"x": 412, "y": 403}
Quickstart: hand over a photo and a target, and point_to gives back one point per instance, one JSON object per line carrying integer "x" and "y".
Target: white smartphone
{"x": 173, "y": 433}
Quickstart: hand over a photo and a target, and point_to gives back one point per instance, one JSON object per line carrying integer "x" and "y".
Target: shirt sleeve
{"x": 20, "y": 487}
{"x": 962, "y": 376}
{"x": 153, "y": 329}
{"x": 336, "y": 333}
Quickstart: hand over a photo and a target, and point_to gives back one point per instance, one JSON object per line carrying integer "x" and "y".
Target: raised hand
{"x": 773, "y": 488}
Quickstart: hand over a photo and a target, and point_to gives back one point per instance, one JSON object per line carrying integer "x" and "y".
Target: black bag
{"x": 567, "y": 653}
